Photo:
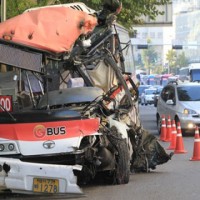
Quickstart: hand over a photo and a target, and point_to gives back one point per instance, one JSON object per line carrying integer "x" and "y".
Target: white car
{"x": 182, "y": 103}
{"x": 149, "y": 96}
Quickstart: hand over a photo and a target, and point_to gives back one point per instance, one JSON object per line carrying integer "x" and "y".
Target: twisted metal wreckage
{"x": 75, "y": 111}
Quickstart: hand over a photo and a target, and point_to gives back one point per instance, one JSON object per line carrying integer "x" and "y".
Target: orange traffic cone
{"x": 169, "y": 130}
{"x": 179, "y": 141}
{"x": 163, "y": 129}
{"x": 196, "y": 151}
{"x": 173, "y": 136}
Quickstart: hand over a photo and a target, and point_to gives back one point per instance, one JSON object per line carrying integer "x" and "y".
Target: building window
{"x": 160, "y": 35}
{"x": 152, "y": 35}
{"x": 144, "y": 35}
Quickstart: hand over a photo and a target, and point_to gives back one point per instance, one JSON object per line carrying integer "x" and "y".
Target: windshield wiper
{"x": 10, "y": 115}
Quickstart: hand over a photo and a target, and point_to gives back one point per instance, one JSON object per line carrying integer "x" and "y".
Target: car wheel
{"x": 121, "y": 173}
{"x": 123, "y": 168}
{"x": 176, "y": 119}
{"x": 159, "y": 124}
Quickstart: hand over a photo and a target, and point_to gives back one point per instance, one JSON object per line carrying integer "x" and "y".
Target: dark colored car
{"x": 156, "y": 96}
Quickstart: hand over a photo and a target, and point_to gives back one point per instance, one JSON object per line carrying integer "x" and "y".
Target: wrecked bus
{"x": 74, "y": 108}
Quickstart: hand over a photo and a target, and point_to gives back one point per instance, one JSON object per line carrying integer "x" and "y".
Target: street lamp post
{"x": 3, "y": 10}
{"x": 168, "y": 68}
{"x": 148, "y": 65}
{"x": 3, "y": 18}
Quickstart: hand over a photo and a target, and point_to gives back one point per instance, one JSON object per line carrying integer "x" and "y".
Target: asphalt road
{"x": 178, "y": 179}
{"x": 148, "y": 118}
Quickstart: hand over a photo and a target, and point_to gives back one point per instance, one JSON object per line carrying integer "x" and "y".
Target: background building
{"x": 185, "y": 31}
{"x": 187, "y": 27}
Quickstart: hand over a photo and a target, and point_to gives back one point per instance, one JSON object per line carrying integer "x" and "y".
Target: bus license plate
{"x": 45, "y": 185}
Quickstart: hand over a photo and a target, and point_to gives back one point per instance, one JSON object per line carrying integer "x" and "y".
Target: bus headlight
{"x": 2, "y": 147}
{"x": 11, "y": 147}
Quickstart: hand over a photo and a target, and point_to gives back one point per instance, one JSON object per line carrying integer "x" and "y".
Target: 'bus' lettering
{"x": 56, "y": 131}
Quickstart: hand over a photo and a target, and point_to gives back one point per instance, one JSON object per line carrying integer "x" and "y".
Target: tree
{"x": 131, "y": 12}
{"x": 181, "y": 60}
{"x": 16, "y": 7}
{"x": 149, "y": 57}
{"x": 132, "y": 9}
{"x": 158, "y": 69}
{"x": 176, "y": 60}
{"x": 171, "y": 57}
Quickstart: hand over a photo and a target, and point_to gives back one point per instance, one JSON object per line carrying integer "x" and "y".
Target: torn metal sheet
{"x": 53, "y": 29}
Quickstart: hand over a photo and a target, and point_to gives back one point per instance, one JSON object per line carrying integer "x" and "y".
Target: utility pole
{"x": 3, "y": 10}
{"x": 3, "y": 67}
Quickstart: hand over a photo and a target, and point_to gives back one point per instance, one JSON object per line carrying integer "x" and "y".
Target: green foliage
{"x": 171, "y": 57}
{"x": 149, "y": 57}
{"x": 181, "y": 60}
{"x": 158, "y": 69}
{"x": 134, "y": 9}
{"x": 131, "y": 12}
{"x": 16, "y": 7}
{"x": 176, "y": 60}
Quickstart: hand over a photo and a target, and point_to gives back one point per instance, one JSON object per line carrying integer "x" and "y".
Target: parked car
{"x": 149, "y": 96}
{"x": 182, "y": 103}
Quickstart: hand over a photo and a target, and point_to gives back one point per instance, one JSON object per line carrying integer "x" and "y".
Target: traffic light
{"x": 177, "y": 47}
{"x": 142, "y": 46}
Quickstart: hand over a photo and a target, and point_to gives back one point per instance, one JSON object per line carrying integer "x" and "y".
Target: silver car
{"x": 141, "y": 89}
{"x": 182, "y": 103}
{"x": 149, "y": 96}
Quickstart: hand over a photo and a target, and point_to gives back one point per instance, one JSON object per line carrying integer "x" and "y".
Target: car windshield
{"x": 188, "y": 93}
{"x": 142, "y": 88}
{"x": 159, "y": 90}
{"x": 150, "y": 92}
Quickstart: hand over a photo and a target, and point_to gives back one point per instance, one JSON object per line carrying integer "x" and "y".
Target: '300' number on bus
{"x": 6, "y": 103}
